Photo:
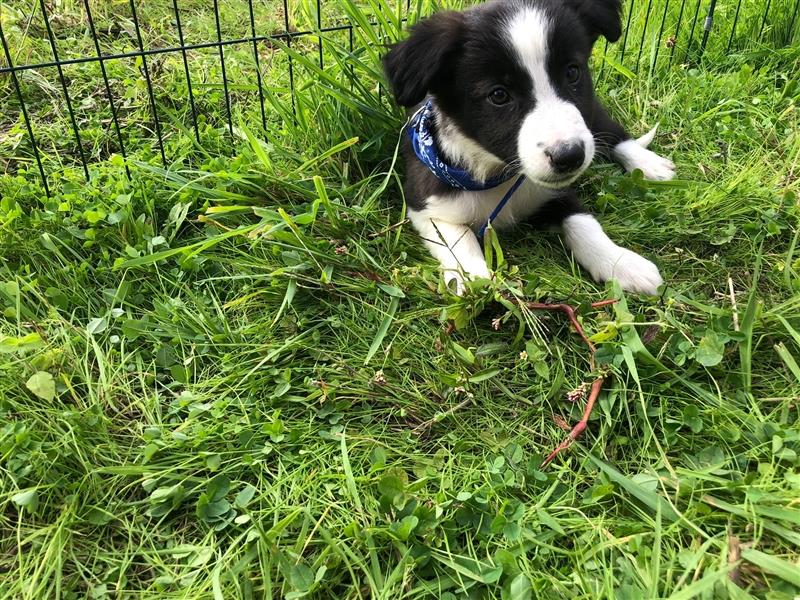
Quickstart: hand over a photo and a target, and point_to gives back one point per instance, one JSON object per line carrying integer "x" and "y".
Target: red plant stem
{"x": 570, "y": 312}
{"x": 597, "y": 385}
{"x": 603, "y": 303}
{"x": 576, "y": 432}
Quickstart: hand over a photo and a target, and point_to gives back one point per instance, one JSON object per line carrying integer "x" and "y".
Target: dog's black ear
{"x": 601, "y": 17}
{"x": 413, "y": 65}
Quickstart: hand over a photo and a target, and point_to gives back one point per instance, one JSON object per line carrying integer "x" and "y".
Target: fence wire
{"x": 129, "y": 52}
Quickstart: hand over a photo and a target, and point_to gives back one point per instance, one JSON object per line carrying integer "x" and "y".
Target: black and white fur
{"x": 511, "y": 89}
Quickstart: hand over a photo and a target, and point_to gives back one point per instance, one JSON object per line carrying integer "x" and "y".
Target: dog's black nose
{"x": 566, "y": 157}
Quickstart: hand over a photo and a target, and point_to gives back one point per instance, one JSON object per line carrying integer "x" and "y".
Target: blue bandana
{"x": 424, "y": 145}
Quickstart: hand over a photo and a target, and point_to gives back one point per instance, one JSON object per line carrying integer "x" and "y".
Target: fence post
{"x": 109, "y": 95}
{"x": 149, "y": 82}
{"x": 224, "y": 71}
{"x": 707, "y": 26}
{"x": 23, "y": 109}
{"x": 75, "y": 129}
{"x": 186, "y": 69}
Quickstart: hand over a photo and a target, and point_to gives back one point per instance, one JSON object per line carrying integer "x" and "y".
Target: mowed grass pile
{"x": 239, "y": 375}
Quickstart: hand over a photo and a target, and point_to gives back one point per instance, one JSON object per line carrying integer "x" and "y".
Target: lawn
{"x": 233, "y": 371}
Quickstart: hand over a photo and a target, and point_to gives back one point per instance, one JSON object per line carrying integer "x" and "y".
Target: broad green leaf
{"x": 483, "y": 375}
{"x": 301, "y": 577}
{"x": 542, "y": 369}
{"x": 42, "y": 384}
{"x": 491, "y": 349}
{"x": 218, "y": 488}
{"x": 244, "y": 497}
{"x": 29, "y": 499}
{"x": 162, "y": 493}
{"x": 392, "y": 484}
{"x": 208, "y": 510}
{"x": 465, "y": 354}
{"x": 97, "y": 516}
{"x": 618, "y": 67}
{"x": 404, "y": 528}
{"x": 31, "y": 341}
{"x": 519, "y": 588}
{"x": 97, "y": 325}
{"x": 710, "y": 350}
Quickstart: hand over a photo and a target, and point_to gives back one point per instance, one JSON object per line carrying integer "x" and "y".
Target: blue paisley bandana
{"x": 424, "y": 145}
{"x": 420, "y": 130}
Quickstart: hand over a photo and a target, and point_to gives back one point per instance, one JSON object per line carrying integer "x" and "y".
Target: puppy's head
{"x": 512, "y": 78}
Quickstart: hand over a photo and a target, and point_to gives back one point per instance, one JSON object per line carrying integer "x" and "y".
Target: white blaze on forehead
{"x": 554, "y": 120}
{"x": 529, "y": 30}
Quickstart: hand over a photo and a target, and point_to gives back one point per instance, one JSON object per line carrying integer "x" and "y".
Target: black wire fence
{"x": 128, "y": 73}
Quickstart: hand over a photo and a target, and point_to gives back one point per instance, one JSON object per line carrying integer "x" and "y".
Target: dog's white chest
{"x": 473, "y": 208}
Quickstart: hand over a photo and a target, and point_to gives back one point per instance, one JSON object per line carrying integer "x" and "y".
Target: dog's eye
{"x": 573, "y": 74}
{"x": 499, "y": 96}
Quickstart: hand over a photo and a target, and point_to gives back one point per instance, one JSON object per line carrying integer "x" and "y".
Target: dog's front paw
{"x": 636, "y": 274}
{"x": 653, "y": 166}
{"x": 455, "y": 279}
{"x": 633, "y": 156}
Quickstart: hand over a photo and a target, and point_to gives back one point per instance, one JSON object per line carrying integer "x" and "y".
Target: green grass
{"x": 234, "y": 377}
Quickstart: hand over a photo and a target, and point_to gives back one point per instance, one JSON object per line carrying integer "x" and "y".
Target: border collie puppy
{"x": 504, "y": 120}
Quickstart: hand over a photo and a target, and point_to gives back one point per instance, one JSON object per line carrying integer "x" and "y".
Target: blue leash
{"x": 501, "y": 204}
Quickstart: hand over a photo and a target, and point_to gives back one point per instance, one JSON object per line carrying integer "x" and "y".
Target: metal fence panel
{"x": 659, "y": 34}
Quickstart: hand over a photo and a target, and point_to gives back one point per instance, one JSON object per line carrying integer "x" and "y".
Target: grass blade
{"x": 788, "y": 360}
{"x": 748, "y": 322}
{"x": 472, "y": 568}
{"x": 383, "y": 329}
{"x": 702, "y": 585}
{"x": 377, "y": 573}
{"x": 652, "y": 500}
{"x": 773, "y": 565}
{"x": 761, "y": 511}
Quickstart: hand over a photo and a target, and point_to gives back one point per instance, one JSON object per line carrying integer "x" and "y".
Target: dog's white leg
{"x": 455, "y": 247}
{"x": 605, "y": 260}
{"x": 633, "y": 154}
